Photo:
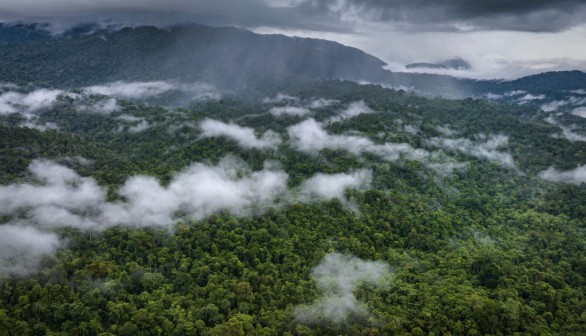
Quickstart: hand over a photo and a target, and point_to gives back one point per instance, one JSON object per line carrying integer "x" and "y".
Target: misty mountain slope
{"x": 224, "y": 56}
{"x": 229, "y": 58}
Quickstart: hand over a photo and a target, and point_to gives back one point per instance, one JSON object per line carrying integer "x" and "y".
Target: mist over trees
{"x": 156, "y": 198}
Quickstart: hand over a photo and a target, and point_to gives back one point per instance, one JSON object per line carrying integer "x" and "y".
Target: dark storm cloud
{"x": 318, "y": 15}
{"x": 518, "y": 15}
{"x": 243, "y": 13}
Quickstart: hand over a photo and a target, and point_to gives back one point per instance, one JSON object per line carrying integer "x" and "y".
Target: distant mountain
{"x": 226, "y": 56}
{"x": 451, "y": 64}
{"x": 230, "y": 58}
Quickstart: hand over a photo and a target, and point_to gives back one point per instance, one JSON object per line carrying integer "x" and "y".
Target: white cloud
{"x": 530, "y": 97}
{"x": 136, "y": 124}
{"x": 567, "y": 131}
{"x": 321, "y": 103}
{"x": 63, "y": 198}
{"x": 580, "y": 112}
{"x": 142, "y": 90}
{"x": 351, "y": 111}
{"x": 324, "y": 186}
{"x": 575, "y": 176}
{"x": 244, "y": 136}
{"x": 105, "y": 106}
{"x": 337, "y": 277}
{"x": 57, "y": 196}
{"x": 26, "y": 103}
{"x": 309, "y": 136}
{"x": 279, "y": 111}
{"x": 280, "y": 98}
{"x": 22, "y": 248}
{"x": 487, "y": 148}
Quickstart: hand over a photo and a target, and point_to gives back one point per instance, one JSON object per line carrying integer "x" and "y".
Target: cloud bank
{"x": 244, "y": 136}
{"x": 337, "y": 277}
{"x": 57, "y": 197}
{"x": 144, "y": 90}
{"x": 310, "y": 137}
{"x": 574, "y": 176}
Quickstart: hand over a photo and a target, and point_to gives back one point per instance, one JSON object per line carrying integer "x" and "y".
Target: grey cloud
{"x": 337, "y": 277}
{"x": 454, "y": 15}
{"x": 244, "y": 136}
{"x": 61, "y": 14}
{"x": 575, "y": 176}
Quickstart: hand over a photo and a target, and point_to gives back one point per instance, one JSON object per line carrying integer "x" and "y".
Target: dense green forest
{"x": 466, "y": 221}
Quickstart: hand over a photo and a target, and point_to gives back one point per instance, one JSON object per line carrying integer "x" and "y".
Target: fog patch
{"x": 38, "y": 126}
{"x": 529, "y": 97}
{"x": 280, "y": 98}
{"x": 567, "y": 131}
{"x": 486, "y": 147}
{"x": 244, "y": 136}
{"x": 321, "y": 103}
{"x": 144, "y": 90}
{"x": 136, "y": 124}
{"x": 330, "y": 186}
{"x": 104, "y": 106}
{"x": 338, "y": 276}
{"x": 22, "y": 248}
{"x": 445, "y": 130}
{"x": 279, "y": 111}
{"x": 309, "y": 136}
{"x": 351, "y": 111}
{"x": 574, "y": 176}
{"x": 579, "y": 112}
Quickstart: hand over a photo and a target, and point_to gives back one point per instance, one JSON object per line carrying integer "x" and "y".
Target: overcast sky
{"x": 501, "y": 38}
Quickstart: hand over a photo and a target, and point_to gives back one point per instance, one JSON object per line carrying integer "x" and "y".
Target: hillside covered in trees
{"x": 332, "y": 208}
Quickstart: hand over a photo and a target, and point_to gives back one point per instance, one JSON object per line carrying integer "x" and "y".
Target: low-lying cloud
{"x": 23, "y": 247}
{"x": 280, "y": 98}
{"x": 244, "y": 136}
{"x": 57, "y": 196}
{"x": 567, "y": 131}
{"x": 574, "y": 176}
{"x": 338, "y": 276}
{"x": 279, "y": 111}
{"x": 27, "y": 103}
{"x": 309, "y": 136}
{"x": 329, "y": 186}
{"x": 351, "y": 111}
{"x": 144, "y": 90}
{"x": 487, "y": 147}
